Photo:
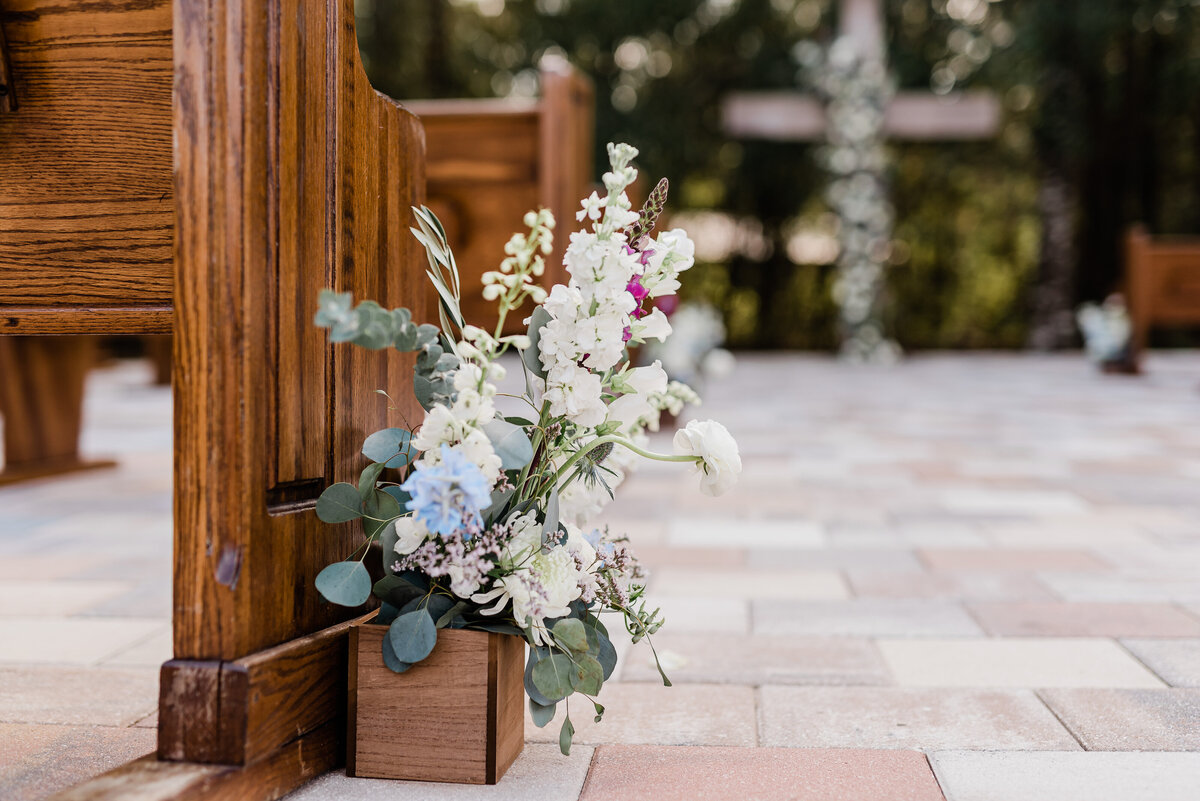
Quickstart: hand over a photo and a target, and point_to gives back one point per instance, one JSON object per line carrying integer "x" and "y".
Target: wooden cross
{"x": 794, "y": 117}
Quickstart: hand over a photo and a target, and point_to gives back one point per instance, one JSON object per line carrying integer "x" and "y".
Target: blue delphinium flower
{"x": 448, "y": 497}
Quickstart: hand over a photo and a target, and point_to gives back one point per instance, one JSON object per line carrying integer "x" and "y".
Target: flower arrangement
{"x": 483, "y": 518}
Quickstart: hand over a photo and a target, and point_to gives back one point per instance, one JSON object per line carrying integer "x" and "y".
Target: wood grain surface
{"x": 292, "y": 174}
{"x": 456, "y": 716}
{"x": 86, "y": 206}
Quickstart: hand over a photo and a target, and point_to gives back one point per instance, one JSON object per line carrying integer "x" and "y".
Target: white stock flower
{"x": 717, "y": 454}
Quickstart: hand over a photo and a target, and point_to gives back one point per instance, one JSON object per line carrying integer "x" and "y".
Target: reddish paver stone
{"x": 64, "y": 755}
{"x": 760, "y": 659}
{"x": 1084, "y": 620}
{"x": 630, "y": 773}
{"x": 1002, "y": 559}
{"x": 897, "y": 717}
{"x": 1130, "y": 720}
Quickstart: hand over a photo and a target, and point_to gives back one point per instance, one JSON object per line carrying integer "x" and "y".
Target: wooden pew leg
{"x": 41, "y": 398}
{"x": 158, "y": 351}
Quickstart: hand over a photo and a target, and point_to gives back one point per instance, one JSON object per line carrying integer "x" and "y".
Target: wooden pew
{"x": 1162, "y": 283}
{"x": 490, "y": 161}
{"x": 289, "y": 173}
{"x": 85, "y": 207}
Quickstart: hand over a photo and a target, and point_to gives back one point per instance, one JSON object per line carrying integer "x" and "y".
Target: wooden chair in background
{"x": 490, "y": 161}
{"x": 1162, "y": 284}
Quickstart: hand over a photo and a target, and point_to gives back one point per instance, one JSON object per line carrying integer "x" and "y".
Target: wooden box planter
{"x": 457, "y": 716}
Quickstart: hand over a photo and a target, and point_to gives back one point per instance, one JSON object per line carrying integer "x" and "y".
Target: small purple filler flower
{"x": 448, "y": 497}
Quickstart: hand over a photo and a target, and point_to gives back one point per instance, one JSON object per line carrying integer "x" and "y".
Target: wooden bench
{"x": 1162, "y": 283}
{"x": 490, "y": 161}
{"x": 288, "y": 173}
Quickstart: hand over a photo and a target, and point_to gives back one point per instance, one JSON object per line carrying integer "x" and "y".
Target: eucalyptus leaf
{"x": 339, "y": 503}
{"x": 412, "y": 636}
{"x": 564, "y": 737}
{"x": 605, "y": 653}
{"x": 570, "y": 633}
{"x": 387, "y": 613}
{"x": 393, "y": 662}
{"x": 451, "y": 613}
{"x": 510, "y": 442}
{"x": 553, "y": 676}
{"x": 530, "y": 355}
{"x": 536, "y": 655}
{"x": 367, "y": 479}
{"x": 542, "y": 715}
{"x": 394, "y": 590}
{"x": 387, "y": 546}
{"x": 431, "y": 604}
{"x": 380, "y": 512}
{"x": 392, "y": 446}
{"x": 345, "y": 583}
{"x": 400, "y": 495}
{"x": 587, "y": 675}
{"x": 499, "y": 502}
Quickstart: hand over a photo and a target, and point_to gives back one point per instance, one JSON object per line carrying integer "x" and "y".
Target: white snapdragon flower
{"x": 471, "y": 408}
{"x": 602, "y": 338}
{"x": 410, "y": 533}
{"x": 681, "y": 247}
{"x": 718, "y": 461}
{"x": 575, "y": 393}
{"x": 653, "y": 326}
{"x": 564, "y": 303}
{"x": 593, "y": 206}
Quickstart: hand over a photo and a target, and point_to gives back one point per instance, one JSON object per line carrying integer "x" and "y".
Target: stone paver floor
{"x": 970, "y": 577}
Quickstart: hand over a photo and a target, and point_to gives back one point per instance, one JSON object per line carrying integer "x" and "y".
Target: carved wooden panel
{"x": 86, "y": 206}
{"x": 292, "y": 174}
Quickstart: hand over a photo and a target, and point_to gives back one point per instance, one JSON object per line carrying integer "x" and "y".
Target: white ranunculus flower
{"x": 410, "y": 533}
{"x": 717, "y": 451}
